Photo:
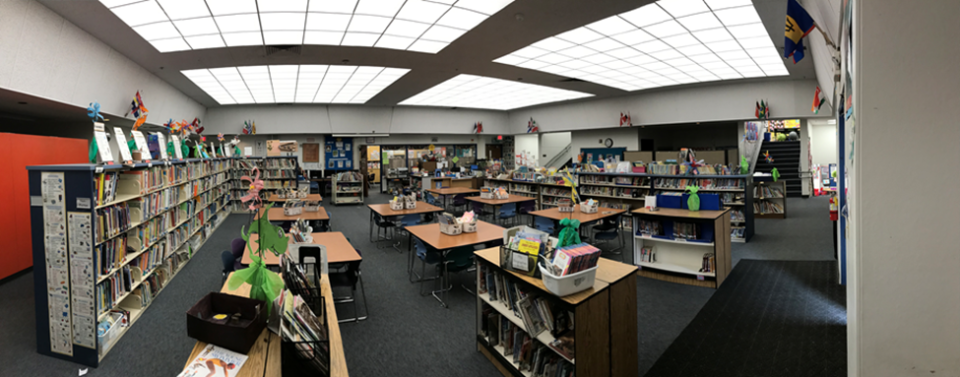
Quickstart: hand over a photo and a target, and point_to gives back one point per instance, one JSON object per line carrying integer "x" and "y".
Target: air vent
{"x": 293, "y": 49}
{"x": 572, "y": 80}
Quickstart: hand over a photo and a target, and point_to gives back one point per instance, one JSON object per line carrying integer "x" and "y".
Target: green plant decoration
{"x": 171, "y": 149}
{"x": 744, "y": 166}
{"x": 93, "y": 151}
{"x": 693, "y": 201}
{"x": 265, "y": 285}
{"x": 569, "y": 233}
{"x": 775, "y": 173}
{"x": 236, "y": 151}
{"x": 132, "y": 144}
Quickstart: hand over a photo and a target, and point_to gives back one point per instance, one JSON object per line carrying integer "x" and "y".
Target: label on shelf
{"x": 83, "y": 203}
{"x": 700, "y": 277}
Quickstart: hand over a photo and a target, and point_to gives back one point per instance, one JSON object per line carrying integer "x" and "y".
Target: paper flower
{"x": 532, "y": 126}
{"x": 169, "y": 125}
{"x": 253, "y": 191}
{"x": 766, "y": 155}
{"x": 93, "y": 111}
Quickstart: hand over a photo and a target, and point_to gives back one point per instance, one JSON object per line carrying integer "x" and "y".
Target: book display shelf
{"x": 279, "y": 172}
{"x": 239, "y": 167}
{"x": 771, "y": 202}
{"x": 107, "y": 240}
{"x": 348, "y": 188}
{"x": 584, "y": 334}
{"x": 682, "y": 246}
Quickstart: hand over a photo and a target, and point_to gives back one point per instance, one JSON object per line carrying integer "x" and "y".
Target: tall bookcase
{"x": 102, "y": 258}
{"x": 679, "y": 259}
{"x": 771, "y": 200}
{"x": 239, "y": 167}
{"x": 603, "y": 320}
{"x": 348, "y": 188}
{"x": 279, "y": 172}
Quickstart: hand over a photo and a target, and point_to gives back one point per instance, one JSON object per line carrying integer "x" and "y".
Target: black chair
{"x": 348, "y": 275}
{"x": 228, "y": 264}
{"x": 382, "y": 223}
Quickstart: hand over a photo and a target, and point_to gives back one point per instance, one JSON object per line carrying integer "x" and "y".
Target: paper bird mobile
{"x": 220, "y": 137}
{"x": 169, "y": 124}
{"x": 532, "y": 126}
{"x": 766, "y": 155}
{"x": 93, "y": 111}
{"x": 478, "y": 128}
{"x": 625, "y": 120}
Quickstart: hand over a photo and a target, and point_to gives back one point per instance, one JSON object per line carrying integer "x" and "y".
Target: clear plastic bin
{"x": 570, "y": 284}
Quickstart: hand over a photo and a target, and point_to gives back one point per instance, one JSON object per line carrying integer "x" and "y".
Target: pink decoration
{"x": 253, "y": 192}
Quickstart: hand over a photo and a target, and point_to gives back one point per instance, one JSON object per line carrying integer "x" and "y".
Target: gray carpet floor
{"x": 406, "y": 334}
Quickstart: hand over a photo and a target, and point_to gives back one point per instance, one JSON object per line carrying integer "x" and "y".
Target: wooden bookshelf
{"x": 770, "y": 195}
{"x": 172, "y": 208}
{"x": 604, "y": 317}
{"x": 347, "y": 188}
{"x": 679, "y": 260}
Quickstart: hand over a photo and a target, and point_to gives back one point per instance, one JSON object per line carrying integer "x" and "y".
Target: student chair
{"x": 388, "y": 228}
{"x": 314, "y": 187}
{"x": 456, "y": 260}
{"x": 228, "y": 264}
{"x": 348, "y": 275}
{"x": 405, "y": 221}
{"x": 507, "y": 211}
{"x": 544, "y": 224}
{"x": 479, "y": 209}
{"x": 608, "y": 230}
{"x": 237, "y": 246}
{"x": 526, "y": 207}
{"x": 427, "y": 255}
{"x": 459, "y": 201}
{"x": 429, "y": 198}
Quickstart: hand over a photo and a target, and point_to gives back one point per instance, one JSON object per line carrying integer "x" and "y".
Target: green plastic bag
{"x": 744, "y": 167}
{"x": 693, "y": 201}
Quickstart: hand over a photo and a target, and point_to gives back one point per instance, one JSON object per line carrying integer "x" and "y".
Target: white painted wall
{"x": 296, "y": 119}
{"x": 823, "y": 143}
{"x": 712, "y": 102}
{"x": 623, "y": 137}
{"x": 44, "y": 55}
{"x": 903, "y": 307}
{"x": 551, "y": 144}
{"x": 527, "y": 143}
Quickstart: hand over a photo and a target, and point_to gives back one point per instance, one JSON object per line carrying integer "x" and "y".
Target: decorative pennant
{"x": 532, "y": 126}
{"x": 625, "y": 120}
{"x": 220, "y": 137}
{"x": 478, "y": 128}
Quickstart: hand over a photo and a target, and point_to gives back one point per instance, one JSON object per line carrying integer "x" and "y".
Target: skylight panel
{"x": 489, "y": 93}
{"x": 426, "y": 26}
{"x": 294, "y": 83}
{"x": 669, "y": 42}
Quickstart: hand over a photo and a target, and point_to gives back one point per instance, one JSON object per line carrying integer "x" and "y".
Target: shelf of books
{"x": 279, "y": 172}
{"x": 683, "y": 246}
{"x": 527, "y": 331}
{"x": 771, "y": 200}
{"x": 107, "y": 240}
{"x": 348, "y": 188}
{"x": 242, "y": 166}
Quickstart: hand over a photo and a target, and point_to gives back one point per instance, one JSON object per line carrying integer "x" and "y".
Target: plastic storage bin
{"x": 106, "y": 339}
{"x": 570, "y": 284}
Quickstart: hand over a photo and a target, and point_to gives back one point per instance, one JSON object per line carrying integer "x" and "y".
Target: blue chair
{"x": 429, "y": 198}
{"x": 427, "y": 255}
{"x": 459, "y": 200}
{"x": 608, "y": 230}
{"x": 455, "y": 260}
{"x": 314, "y": 188}
{"x": 479, "y": 209}
{"x": 544, "y": 224}
{"x": 507, "y": 211}
{"x": 524, "y": 208}
{"x": 408, "y": 220}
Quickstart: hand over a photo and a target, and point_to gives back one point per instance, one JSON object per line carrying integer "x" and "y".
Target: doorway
{"x": 494, "y": 152}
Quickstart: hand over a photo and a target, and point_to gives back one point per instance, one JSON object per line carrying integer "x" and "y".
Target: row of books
{"x": 280, "y": 163}
{"x": 615, "y": 205}
{"x": 732, "y": 197}
{"x": 665, "y": 168}
{"x": 648, "y": 255}
{"x": 112, "y": 220}
{"x": 201, "y": 168}
{"x": 613, "y": 191}
{"x": 349, "y": 176}
{"x": 278, "y": 184}
{"x": 702, "y": 183}
{"x": 519, "y": 187}
{"x": 152, "y": 257}
{"x": 247, "y": 165}
{"x": 686, "y": 230}
{"x": 738, "y": 232}
{"x": 106, "y": 187}
{"x": 574, "y": 258}
{"x": 149, "y": 179}
{"x": 150, "y": 231}
{"x": 589, "y": 179}
{"x": 111, "y": 254}
{"x": 555, "y": 191}
{"x": 275, "y": 174}
{"x": 763, "y": 191}
{"x": 737, "y": 215}
{"x": 709, "y": 263}
{"x": 197, "y": 186}
{"x": 650, "y": 228}
{"x": 765, "y": 207}
{"x": 524, "y": 350}
{"x": 157, "y": 202}
{"x": 525, "y": 176}
{"x": 110, "y": 290}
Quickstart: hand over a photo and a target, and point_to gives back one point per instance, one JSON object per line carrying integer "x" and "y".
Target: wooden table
{"x": 430, "y": 235}
{"x": 497, "y": 203}
{"x": 385, "y": 211}
{"x": 445, "y": 192}
{"x": 555, "y": 214}
{"x": 276, "y": 214}
{"x": 309, "y": 198}
{"x": 339, "y": 250}
{"x": 263, "y": 360}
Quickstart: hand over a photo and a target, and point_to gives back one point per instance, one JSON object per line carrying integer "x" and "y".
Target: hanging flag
{"x": 817, "y": 101}
{"x": 756, "y": 112}
{"x": 137, "y": 107}
{"x": 763, "y": 110}
{"x": 798, "y": 25}
{"x": 766, "y": 111}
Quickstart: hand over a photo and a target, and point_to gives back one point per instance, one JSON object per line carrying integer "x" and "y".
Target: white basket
{"x": 396, "y": 205}
{"x": 588, "y": 208}
{"x": 570, "y": 284}
{"x": 470, "y": 227}
{"x": 292, "y": 211}
{"x": 486, "y": 195}
{"x": 312, "y": 207}
{"x": 409, "y": 204}
{"x": 110, "y": 336}
{"x": 451, "y": 230}
{"x": 565, "y": 209}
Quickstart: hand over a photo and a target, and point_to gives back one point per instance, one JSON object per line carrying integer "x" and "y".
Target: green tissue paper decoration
{"x": 93, "y": 151}
{"x": 265, "y": 285}
{"x": 184, "y": 150}
{"x": 170, "y": 150}
{"x": 744, "y": 167}
{"x": 569, "y": 235}
{"x": 775, "y": 173}
{"x": 693, "y": 201}
{"x": 236, "y": 151}
{"x": 132, "y": 144}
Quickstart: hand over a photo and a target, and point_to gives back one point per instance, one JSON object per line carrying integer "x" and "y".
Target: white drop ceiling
{"x": 582, "y": 49}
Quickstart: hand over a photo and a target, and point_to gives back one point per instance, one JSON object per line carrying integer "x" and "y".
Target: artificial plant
{"x": 265, "y": 285}
{"x": 693, "y": 201}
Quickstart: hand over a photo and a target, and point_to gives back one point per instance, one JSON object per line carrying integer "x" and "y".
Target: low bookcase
{"x": 703, "y": 259}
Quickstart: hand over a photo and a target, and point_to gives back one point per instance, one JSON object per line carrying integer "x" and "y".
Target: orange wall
{"x": 18, "y": 152}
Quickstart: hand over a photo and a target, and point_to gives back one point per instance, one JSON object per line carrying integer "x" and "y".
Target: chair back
{"x": 477, "y": 208}
{"x": 237, "y": 246}
{"x": 608, "y": 224}
{"x": 426, "y": 253}
{"x": 460, "y": 199}
{"x": 227, "y": 257}
{"x": 410, "y": 220}
{"x": 460, "y": 259}
{"x": 544, "y": 224}
{"x": 527, "y": 207}
{"x": 508, "y": 210}
{"x": 429, "y": 198}
{"x": 312, "y": 251}
{"x": 379, "y": 221}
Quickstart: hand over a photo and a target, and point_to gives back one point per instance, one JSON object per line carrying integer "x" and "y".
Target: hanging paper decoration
{"x": 139, "y": 111}
{"x": 249, "y": 128}
{"x": 532, "y": 126}
{"x": 264, "y": 284}
{"x": 253, "y": 191}
{"x": 140, "y": 121}
{"x": 196, "y": 126}
{"x": 766, "y": 155}
{"x": 93, "y": 111}
{"x": 220, "y": 137}
{"x": 478, "y": 128}
{"x": 625, "y": 120}
{"x": 169, "y": 125}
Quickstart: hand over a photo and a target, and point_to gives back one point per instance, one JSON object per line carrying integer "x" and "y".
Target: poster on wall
{"x": 55, "y": 255}
{"x": 373, "y": 153}
{"x": 338, "y": 152}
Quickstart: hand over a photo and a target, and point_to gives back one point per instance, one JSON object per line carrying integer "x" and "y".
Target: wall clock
{"x": 608, "y": 142}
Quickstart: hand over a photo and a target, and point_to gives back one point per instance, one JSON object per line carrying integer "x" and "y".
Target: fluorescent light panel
{"x": 415, "y": 25}
{"x": 294, "y": 83}
{"x": 489, "y": 93}
{"x": 670, "y": 42}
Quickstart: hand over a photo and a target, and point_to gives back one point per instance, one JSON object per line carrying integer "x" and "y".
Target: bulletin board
{"x": 373, "y": 153}
{"x": 338, "y": 153}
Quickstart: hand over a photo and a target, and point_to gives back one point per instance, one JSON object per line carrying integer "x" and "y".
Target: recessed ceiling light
{"x": 292, "y": 83}
{"x": 665, "y": 43}
{"x": 489, "y": 93}
{"x": 310, "y": 21}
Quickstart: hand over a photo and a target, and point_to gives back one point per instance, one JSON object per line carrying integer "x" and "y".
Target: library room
{"x": 517, "y": 188}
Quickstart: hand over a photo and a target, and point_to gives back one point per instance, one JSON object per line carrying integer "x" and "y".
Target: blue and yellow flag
{"x": 798, "y": 25}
